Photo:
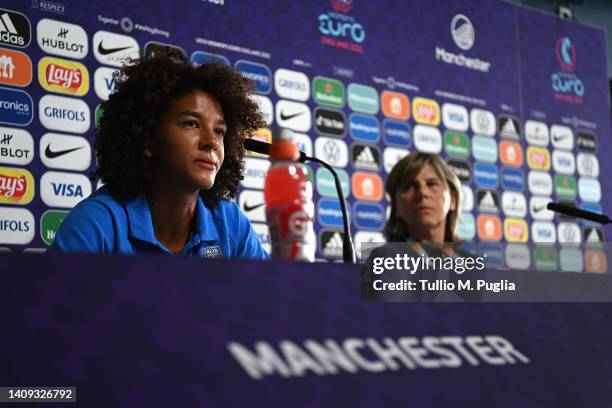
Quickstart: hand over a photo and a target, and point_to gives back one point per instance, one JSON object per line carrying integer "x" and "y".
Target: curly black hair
{"x": 145, "y": 89}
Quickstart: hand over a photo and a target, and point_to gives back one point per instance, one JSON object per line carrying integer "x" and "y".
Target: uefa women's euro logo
{"x": 566, "y": 54}
{"x": 566, "y": 85}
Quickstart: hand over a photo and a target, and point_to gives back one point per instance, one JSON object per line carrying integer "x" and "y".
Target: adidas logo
{"x": 487, "y": 203}
{"x": 332, "y": 246}
{"x": 14, "y": 29}
{"x": 509, "y": 129}
{"x": 365, "y": 160}
{"x": 593, "y": 237}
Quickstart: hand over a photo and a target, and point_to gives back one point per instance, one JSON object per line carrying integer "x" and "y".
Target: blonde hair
{"x": 404, "y": 173}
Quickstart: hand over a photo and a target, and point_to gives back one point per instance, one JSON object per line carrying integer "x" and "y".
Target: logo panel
{"x": 593, "y": 235}
{"x": 538, "y": 210}
{"x": 64, "y": 190}
{"x": 330, "y": 122}
{"x": 516, "y": 230}
{"x": 483, "y": 122}
{"x": 15, "y": 29}
{"x": 466, "y": 227}
{"x": 511, "y": 153}
{"x": 293, "y": 115}
{"x": 427, "y": 139}
{"x": 329, "y": 213}
{"x": 104, "y": 83}
{"x": 255, "y": 171}
{"x": 367, "y": 186}
{"x": 461, "y": 169}
{"x": 15, "y": 68}
{"x": 397, "y": 133}
{"x": 586, "y": 142}
{"x": 563, "y": 162}
{"x": 369, "y": 215}
{"x": 565, "y": 187}
{"x": 536, "y": 133}
{"x": 292, "y": 84}
{"x": 538, "y": 158}
{"x": 486, "y": 175}
{"x": 540, "y": 183}
{"x": 391, "y": 155}
{"x": 568, "y": 232}
{"x": 514, "y": 204}
{"x": 488, "y": 201}
{"x": 16, "y": 186}
{"x": 50, "y": 222}
{"x": 362, "y": 98}
{"x": 258, "y": 73}
{"x": 543, "y": 232}
{"x": 455, "y": 117}
{"x": 562, "y": 137}
{"x": 588, "y": 164}
{"x": 365, "y": 157}
{"x": 467, "y": 198}
{"x": 200, "y": 57}
{"x": 570, "y": 260}
{"x": 494, "y": 252}
{"x": 595, "y": 261}
{"x": 596, "y": 208}
{"x": 362, "y": 237}
{"x": 16, "y": 146}
{"x": 328, "y": 91}
{"x": 545, "y": 258}
{"x": 64, "y": 114}
{"x": 512, "y": 179}
{"x": 395, "y": 105}
{"x": 265, "y": 107}
{"x": 16, "y": 226}
{"x": 16, "y": 107}
{"x": 114, "y": 49}
{"x": 330, "y": 244}
{"x": 517, "y": 256}
{"x": 426, "y": 111}
{"x": 589, "y": 189}
{"x": 63, "y": 39}
{"x": 304, "y": 143}
{"x": 65, "y": 152}
{"x": 456, "y": 144}
{"x": 332, "y": 151}
{"x": 364, "y": 128}
{"x": 484, "y": 149}
{"x": 263, "y": 233}
{"x": 326, "y": 186}
{"x": 489, "y": 227}
{"x": 509, "y": 127}
{"x": 252, "y": 203}
{"x": 63, "y": 76}
{"x": 153, "y": 49}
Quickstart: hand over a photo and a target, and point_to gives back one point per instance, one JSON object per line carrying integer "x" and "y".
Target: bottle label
{"x": 291, "y": 231}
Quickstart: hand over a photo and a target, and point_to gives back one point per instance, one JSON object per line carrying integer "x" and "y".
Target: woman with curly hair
{"x": 170, "y": 154}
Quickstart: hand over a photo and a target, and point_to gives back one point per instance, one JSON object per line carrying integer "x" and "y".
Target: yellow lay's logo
{"x": 262, "y": 135}
{"x": 426, "y": 111}
{"x": 63, "y": 76}
{"x": 538, "y": 158}
{"x": 16, "y": 186}
{"x": 516, "y": 230}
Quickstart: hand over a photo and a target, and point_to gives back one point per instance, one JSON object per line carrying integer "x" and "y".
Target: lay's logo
{"x": 426, "y": 111}
{"x": 16, "y": 186}
{"x": 62, "y": 76}
{"x": 516, "y": 230}
{"x": 538, "y": 158}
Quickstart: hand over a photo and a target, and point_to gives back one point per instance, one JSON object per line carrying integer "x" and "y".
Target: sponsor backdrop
{"x": 515, "y": 100}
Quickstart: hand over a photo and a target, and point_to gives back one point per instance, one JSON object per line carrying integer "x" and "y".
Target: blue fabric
{"x": 102, "y": 224}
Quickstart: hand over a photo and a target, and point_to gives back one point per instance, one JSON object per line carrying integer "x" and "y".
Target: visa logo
{"x": 67, "y": 190}
{"x": 110, "y": 83}
{"x": 456, "y": 117}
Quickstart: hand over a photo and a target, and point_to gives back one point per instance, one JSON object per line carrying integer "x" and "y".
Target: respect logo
{"x": 63, "y": 76}
{"x": 16, "y": 186}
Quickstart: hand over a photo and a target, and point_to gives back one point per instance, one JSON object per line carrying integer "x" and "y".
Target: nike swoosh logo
{"x": 106, "y": 51}
{"x": 54, "y": 154}
{"x": 284, "y": 116}
{"x": 538, "y": 208}
{"x": 249, "y": 208}
{"x": 558, "y": 138}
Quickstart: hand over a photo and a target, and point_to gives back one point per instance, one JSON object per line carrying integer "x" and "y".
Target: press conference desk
{"x": 150, "y": 331}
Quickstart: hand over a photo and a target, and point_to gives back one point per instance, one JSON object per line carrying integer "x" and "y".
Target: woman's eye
{"x": 191, "y": 124}
{"x": 220, "y": 132}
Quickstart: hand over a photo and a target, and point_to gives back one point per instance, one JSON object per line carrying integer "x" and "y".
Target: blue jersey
{"x": 102, "y": 224}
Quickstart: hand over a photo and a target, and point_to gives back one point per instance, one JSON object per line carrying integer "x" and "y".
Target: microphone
{"x": 578, "y": 213}
{"x": 348, "y": 251}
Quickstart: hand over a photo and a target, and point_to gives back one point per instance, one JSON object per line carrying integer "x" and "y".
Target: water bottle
{"x": 288, "y": 198}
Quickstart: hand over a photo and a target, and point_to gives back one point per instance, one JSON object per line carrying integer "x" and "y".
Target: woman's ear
{"x": 454, "y": 203}
{"x": 148, "y": 153}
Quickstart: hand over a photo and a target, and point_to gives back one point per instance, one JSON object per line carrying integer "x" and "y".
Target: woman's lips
{"x": 206, "y": 164}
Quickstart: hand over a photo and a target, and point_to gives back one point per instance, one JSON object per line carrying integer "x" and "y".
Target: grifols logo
{"x": 62, "y": 76}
